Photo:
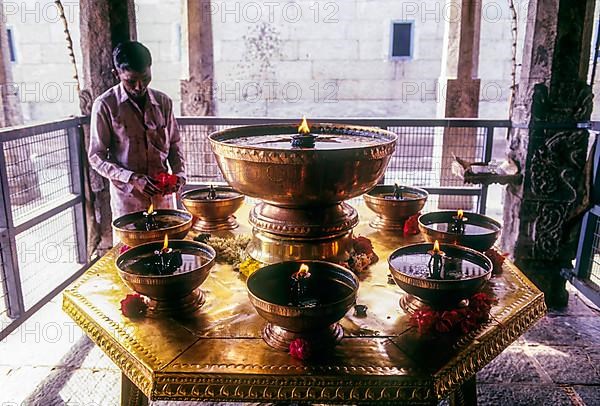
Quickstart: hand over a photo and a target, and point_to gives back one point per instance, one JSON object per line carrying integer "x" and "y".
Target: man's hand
{"x": 180, "y": 183}
{"x": 144, "y": 184}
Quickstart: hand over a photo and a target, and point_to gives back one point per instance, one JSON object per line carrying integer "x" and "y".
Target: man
{"x": 134, "y": 136}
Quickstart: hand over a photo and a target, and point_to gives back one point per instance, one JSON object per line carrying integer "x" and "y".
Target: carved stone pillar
{"x": 104, "y": 24}
{"x": 459, "y": 77}
{"x": 542, "y": 216}
{"x": 197, "y": 97}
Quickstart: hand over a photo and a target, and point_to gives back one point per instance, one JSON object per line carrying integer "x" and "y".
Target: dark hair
{"x": 132, "y": 55}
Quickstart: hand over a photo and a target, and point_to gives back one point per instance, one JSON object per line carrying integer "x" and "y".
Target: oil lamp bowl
{"x": 170, "y": 292}
{"x": 213, "y": 214}
{"x": 269, "y": 292}
{"x": 481, "y": 232}
{"x": 391, "y": 213}
{"x": 346, "y": 162}
{"x": 477, "y": 269}
{"x": 130, "y": 227}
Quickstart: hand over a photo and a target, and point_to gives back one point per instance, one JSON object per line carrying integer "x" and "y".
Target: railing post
{"x": 15, "y": 303}
{"x": 75, "y": 137}
{"x": 487, "y": 157}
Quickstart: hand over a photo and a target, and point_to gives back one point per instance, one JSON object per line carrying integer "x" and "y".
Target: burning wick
{"x": 304, "y": 139}
{"x": 457, "y": 225}
{"x": 299, "y": 280}
{"x": 302, "y": 273}
{"x": 168, "y": 259}
{"x": 212, "y": 193}
{"x": 150, "y": 218}
{"x": 436, "y": 262}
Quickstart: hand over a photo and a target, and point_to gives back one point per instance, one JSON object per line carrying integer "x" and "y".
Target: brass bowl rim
{"x": 471, "y": 251}
{"x": 185, "y": 195}
{"x": 211, "y": 251}
{"x": 467, "y": 215}
{"x": 161, "y": 230}
{"x": 298, "y": 308}
{"x": 421, "y": 194}
{"x": 393, "y": 137}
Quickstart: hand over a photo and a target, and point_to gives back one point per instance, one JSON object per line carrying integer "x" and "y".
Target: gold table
{"x": 217, "y": 353}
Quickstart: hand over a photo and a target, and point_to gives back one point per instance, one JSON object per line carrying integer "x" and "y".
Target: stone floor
{"x": 49, "y": 361}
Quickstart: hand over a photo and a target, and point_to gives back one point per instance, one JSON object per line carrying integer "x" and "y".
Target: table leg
{"x": 466, "y": 394}
{"x": 130, "y": 394}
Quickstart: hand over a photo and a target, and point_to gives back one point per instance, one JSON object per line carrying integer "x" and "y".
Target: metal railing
{"x": 423, "y": 155}
{"x": 42, "y": 221}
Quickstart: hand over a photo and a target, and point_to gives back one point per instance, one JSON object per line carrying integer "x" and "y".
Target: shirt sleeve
{"x": 100, "y": 135}
{"x": 176, "y": 157}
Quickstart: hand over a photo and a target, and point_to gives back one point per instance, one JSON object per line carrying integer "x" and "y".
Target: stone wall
{"x": 326, "y": 58}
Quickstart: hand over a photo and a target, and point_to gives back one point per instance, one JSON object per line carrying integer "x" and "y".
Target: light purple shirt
{"x": 125, "y": 140}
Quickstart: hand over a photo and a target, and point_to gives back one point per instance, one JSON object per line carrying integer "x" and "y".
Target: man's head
{"x": 133, "y": 63}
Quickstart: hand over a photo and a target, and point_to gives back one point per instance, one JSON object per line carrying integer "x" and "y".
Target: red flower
{"x": 300, "y": 349}
{"x": 411, "y": 225}
{"x": 133, "y": 306}
{"x": 446, "y": 321}
{"x": 480, "y": 305}
{"x": 166, "y": 182}
{"x": 124, "y": 248}
{"x": 468, "y": 320}
{"x": 497, "y": 259}
{"x": 423, "y": 319}
{"x": 362, "y": 245}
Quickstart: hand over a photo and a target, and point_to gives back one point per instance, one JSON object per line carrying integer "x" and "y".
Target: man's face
{"x": 135, "y": 83}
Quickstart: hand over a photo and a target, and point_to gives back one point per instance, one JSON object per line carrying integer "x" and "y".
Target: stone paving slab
{"x": 512, "y": 366}
{"x": 521, "y": 395}
{"x": 571, "y": 365}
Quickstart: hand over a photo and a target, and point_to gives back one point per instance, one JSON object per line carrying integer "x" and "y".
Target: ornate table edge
{"x": 265, "y": 387}
{"x": 450, "y": 378}
{"x": 137, "y": 371}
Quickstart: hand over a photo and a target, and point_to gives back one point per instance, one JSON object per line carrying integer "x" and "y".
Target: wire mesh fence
{"x": 424, "y": 156}
{"x": 595, "y": 257}
{"x": 47, "y": 255}
{"x": 38, "y": 173}
{"x": 42, "y": 230}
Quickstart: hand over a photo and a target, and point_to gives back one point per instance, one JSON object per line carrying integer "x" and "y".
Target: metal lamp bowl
{"x": 167, "y": 288}
{"x": 133, "y": 238}
{"x": 276, "y": 277}
{"x": 214, "y": 214}
{"x": 392, "y": 213}
{"x": 441, "y": 292}
{"x": 301, "y": 177}
{"x": 480, "y": 242}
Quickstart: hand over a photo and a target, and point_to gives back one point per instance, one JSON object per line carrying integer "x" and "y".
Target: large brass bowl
{"x": 481, "y": 232}
{"x": 391, "y": 213}
{"x": 476, "y": 270}
{"x": 268, "y": 290}
{"x": 174, "y": 293}
{"x": 134, "y": 237}
{"x": 331, "y": 172}
{"x": 213, "y": 214}
{"x": 302, "y": 214}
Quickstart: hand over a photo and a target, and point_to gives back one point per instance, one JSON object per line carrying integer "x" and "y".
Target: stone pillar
{"x": 460, "y": 64}
{"x": 542, "y": 216}
{"x": 197, "y": 97}
{"x": 104, "y": 24}
{"x": 22, "y": 177}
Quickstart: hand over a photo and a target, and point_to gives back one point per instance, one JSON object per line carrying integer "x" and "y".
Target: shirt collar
{"x": 122, "y": 95}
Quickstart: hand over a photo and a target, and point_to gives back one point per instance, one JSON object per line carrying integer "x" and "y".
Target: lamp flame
{"x": 166, "y": 243}
{"x": 436, "y": 247}
{"x": 150, "y": 209}
{"x": 302, "y": 272}
{"x": 304, "y": 128}
{"x": 459, "y": 214}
